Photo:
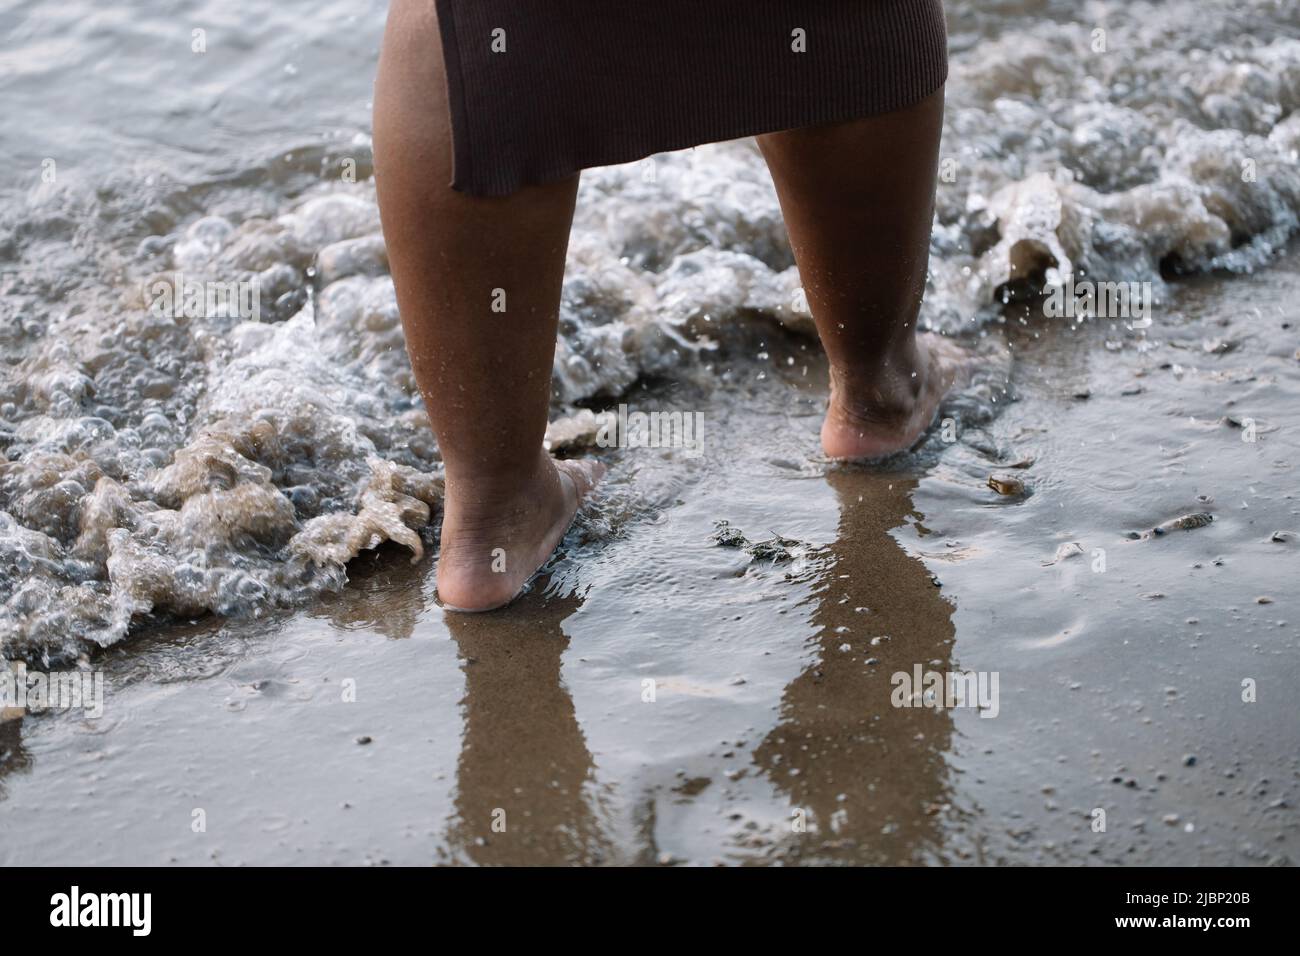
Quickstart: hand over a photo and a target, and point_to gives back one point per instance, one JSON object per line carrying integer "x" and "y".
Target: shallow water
{"x": 160, "y": 469}
{"x": 773, "y": 678}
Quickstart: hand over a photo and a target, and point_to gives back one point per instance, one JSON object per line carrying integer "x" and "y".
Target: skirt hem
{"x": 530, "y": 112}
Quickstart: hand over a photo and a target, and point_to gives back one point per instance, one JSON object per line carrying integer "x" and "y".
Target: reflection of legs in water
{"x": 838, "y": 728}
{"x": 858, "y": 200}
{"x": 478, "y": 284}
{"x": 13, "y": 756}
{"x": 524, "y": 762}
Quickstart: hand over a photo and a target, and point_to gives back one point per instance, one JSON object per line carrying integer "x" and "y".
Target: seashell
{"x": 1067, "y": 550}
{"x": 1008, "y": 485}
{"x": 1188, "y": 522}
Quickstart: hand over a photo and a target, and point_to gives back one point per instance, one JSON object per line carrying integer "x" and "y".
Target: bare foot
{"x": 887, "y": 409}
{"x": 496, "y": 534}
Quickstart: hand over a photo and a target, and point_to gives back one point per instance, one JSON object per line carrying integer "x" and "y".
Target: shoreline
{"x": 772, "y": 674}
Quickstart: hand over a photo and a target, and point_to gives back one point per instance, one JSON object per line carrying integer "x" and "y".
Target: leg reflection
{"x": 13, "y": 755}
{"x": 526, "y": 789}
{"x": 868, "y": 777}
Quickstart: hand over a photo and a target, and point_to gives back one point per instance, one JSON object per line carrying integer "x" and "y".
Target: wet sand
{"x": 1120, "y": 690}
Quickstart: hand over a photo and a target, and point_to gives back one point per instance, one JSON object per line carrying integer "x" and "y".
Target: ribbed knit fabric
{"x": 596, "y": 82}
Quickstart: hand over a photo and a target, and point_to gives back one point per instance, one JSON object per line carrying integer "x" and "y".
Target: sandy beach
{"x": 1119, "y": 690}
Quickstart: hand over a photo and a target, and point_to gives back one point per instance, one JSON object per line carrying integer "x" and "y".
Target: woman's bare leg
{"x": 478, "y": 285}
{"x": 858, "y": 200}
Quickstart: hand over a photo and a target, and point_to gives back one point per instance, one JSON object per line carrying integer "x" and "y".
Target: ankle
{"x": 883, "y": 391}
{"x": 504, "y": 494}
{"x": 471, "y": 481}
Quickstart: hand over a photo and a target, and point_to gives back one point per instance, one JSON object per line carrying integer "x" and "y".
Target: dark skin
{"x": 857, "y": 199}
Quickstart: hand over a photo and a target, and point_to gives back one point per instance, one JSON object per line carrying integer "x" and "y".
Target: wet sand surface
{"x": 771, "y": 736}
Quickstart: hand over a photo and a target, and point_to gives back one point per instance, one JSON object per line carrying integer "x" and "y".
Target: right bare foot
{"x": 497, "y": 533}
{"x": 886, "y": 409}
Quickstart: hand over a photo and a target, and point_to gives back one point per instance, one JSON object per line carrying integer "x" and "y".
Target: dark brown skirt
{"x": 542, "y": 88}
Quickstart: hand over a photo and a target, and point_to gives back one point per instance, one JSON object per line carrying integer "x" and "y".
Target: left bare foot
{"x": 494, "y": 537}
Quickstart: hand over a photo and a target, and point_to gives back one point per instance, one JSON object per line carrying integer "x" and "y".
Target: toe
{"x": 585, "y": 473}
